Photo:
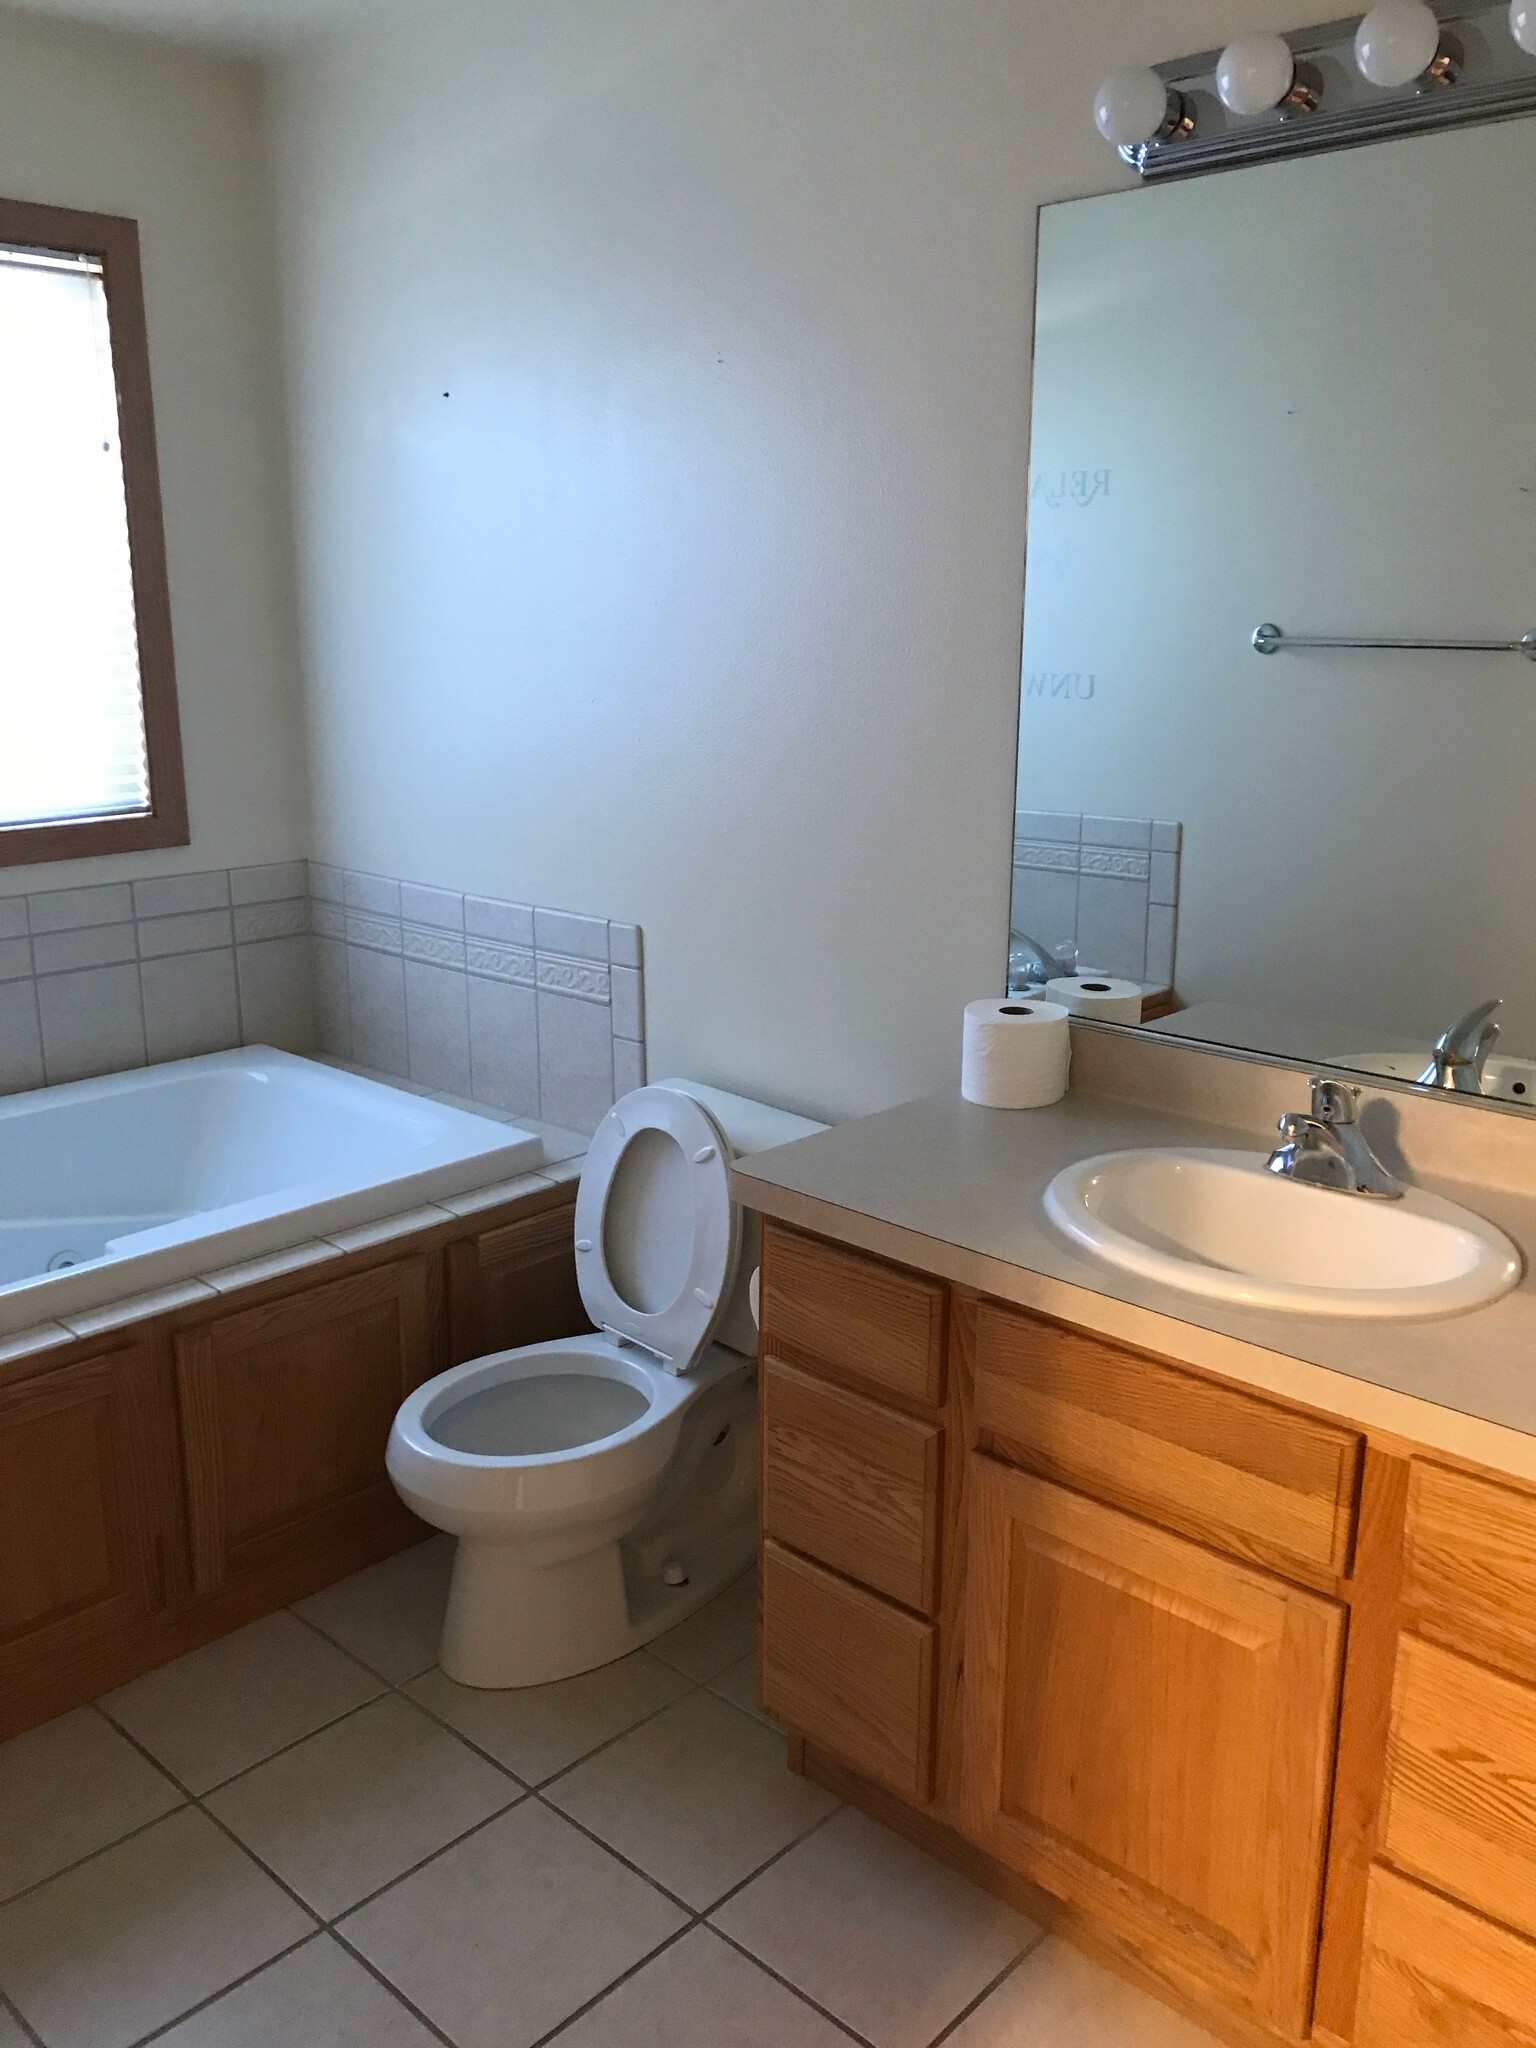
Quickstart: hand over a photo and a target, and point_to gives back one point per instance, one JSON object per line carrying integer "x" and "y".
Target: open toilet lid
{"x": 656, "y": 1230}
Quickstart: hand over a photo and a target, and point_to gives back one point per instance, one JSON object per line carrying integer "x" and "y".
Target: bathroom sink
{"x": 1219, "y": 1224}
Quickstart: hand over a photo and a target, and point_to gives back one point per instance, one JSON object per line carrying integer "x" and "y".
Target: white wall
{"x": 696, "y": 599}
{"x": 118, "y": 124}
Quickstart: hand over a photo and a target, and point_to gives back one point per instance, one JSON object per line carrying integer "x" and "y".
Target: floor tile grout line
{"x": 624, "y": 1976}
{"x": 65, "y": 1869}
{"x": 987, "y": 1990}
{"x": 298, "y": 1742}
{"x": 366, "y": 1963}
{"x": 618, "y": 1855}
{"x": 778, "y": 1856}
{"x": 234, "y": 1984}
{"x": 788, "y": 1984}
{"x": 371, "y": 1898}
{"x": 331, "y": 1642}
{"x": 9, "y": 2005}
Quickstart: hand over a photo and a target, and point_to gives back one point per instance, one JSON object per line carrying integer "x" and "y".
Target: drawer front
{"x": 849, "y": 1671}
{"x": 837, "y": 1312}
{"x": 1460, "y": 1803}
{"x": 1469, "y": 1565}
{"x": 1437, "y": 1976}
{"x": 853, "y": 1484}
{"x": 1261, "y": 1481}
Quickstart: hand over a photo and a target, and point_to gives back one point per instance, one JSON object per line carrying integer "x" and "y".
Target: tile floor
{"x": 305, "y": 1836}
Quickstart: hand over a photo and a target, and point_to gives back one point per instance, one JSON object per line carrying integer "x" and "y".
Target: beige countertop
{"x": 955, "y": 1190}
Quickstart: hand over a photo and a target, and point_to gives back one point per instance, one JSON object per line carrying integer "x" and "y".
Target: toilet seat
{"x": 657, "y": 1234}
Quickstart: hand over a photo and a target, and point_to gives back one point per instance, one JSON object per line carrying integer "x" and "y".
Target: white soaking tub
{"x": 113, "y": 1186}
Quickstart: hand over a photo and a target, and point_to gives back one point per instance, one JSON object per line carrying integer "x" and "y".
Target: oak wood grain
{"x": 514, "y": 1284}
{"x": 849, "y": 1670}
{"x": 852, "y": 1483}
{"x": 872, "y": 1325}
{"x": 1263, "y": 1481}
{"x": 1437, "y": 1976}
{"x": 1469, "y": 1565}
{"x": 1150, "y": 1734}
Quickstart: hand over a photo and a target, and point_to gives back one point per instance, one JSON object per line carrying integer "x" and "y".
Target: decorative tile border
{"x": 1108, "y": 886}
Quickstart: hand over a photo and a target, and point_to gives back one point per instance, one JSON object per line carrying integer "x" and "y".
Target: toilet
{"x": 603, "y": 1487}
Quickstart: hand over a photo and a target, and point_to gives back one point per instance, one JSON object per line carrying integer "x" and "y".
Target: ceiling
{"x": 245, "y": 25}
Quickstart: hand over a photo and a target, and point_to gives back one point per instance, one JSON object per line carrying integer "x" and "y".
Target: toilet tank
{"x": 750, "y": 1127}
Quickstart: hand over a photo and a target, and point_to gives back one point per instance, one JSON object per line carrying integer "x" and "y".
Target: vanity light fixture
{"x": 1360, "y": 80}
{"x": 1136, "y": 106}
{"x": 1400, "y": 43}
{"x": 1258, "y": 73}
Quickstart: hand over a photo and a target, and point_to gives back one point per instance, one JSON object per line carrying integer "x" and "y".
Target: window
{"x": 90, "y": 749}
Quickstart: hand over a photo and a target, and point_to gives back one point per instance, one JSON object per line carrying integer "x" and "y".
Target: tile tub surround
{"x": 305, "y": 1833}
{"x": 128, "y": 974}
{"x": 533, "y": 1011}
{"x": 1109, "y": 886}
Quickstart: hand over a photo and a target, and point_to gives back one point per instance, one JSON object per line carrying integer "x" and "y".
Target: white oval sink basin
{"x": 1220, "y": 1224}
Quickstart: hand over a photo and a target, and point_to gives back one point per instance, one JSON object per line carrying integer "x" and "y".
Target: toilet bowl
{"x": 602, "y": 1487}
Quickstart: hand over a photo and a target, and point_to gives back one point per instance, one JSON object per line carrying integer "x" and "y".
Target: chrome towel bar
{"x": 1270, "y": 640}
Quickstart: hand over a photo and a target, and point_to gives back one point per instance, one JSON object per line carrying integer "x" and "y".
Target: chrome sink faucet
{"x": 1326, "y": 1148}
{"x": 1461, "y": 1051}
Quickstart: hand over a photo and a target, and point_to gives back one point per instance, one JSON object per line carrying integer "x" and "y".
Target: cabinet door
{"x": 1150, "y": 1736}
{"x": 514, "y": 1285}
{"x": 81, "y": 1503}
{"x": 1436, "y": 1976}
{"x": 286, "y": 1411}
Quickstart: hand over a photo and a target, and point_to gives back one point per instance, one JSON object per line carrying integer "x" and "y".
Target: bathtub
{"x": 115, "y": 1186}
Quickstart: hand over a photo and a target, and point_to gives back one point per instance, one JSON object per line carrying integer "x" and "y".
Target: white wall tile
{"x": 1166, "y": 835}
{"x": 376, "y": 894}
{"x": 199, "y": 931}
{"x": 93, "y": 1022}
{"x": 423, "y": 905}
{"x": 1044, "y": 906}
{"x": 1066, "y": 826}
{"x": 21, "y": 1039}
{"x": 503, "y": 1046}
{"x": 564, "y": 931}
{"x": 189, "y": 1005}
{"x": 575, "y": 1061}
{"x": 15, "y": 959}
{"x": 628, "y": 1066}
{"x": 624, "y": 945}
{"x": 437, "y": 1027}
{"x": 271, "y": 883}
{"x": 277, "y": 994}
{"x": 172, "y": 895}
{"x": 376, "y": 994}
{"x": 435, "y": 944}
{"x": 333, "y": 1012}
{"x": 61, "y": 910}
{"x": 628, "y": 1011}
{"x": 1165, "y": 878}
{"x": 326, "y": 884}
{"x": 1161, "y": 923}
{"x": 13, "y": 917}
{"x": 489, "y": 918}
{"x": 1135, "y": 832}
{"x": 1112, "y": 925}
{"x": 98, "y": 945}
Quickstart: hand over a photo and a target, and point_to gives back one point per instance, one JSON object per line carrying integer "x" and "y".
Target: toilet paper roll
{"x": 1097, "y": 995}
{"x": 1015, "y": 1054}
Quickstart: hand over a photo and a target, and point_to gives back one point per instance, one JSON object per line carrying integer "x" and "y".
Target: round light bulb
{"x": 1255, "y": 73}
{"x": 1522, "y": 25}
{"x": 1131, "y": 107}
{"x": 1397, "y": 42}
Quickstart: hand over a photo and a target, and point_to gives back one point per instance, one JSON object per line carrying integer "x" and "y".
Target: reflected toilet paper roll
{"x": 1103, "y": 996}
{"x": 1016, "y": 1053}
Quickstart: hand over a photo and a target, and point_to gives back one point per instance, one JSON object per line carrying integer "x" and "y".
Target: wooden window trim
{"x": 116, "y": 242}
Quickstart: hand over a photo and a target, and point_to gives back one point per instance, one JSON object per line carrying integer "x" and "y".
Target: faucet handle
{"x": 1471, "y": 1037}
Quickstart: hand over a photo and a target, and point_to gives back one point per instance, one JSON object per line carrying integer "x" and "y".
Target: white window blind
{"x": 71, "y": 708}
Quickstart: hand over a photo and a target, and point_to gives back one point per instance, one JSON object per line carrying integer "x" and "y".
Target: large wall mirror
{"x": 1301, "y": 394}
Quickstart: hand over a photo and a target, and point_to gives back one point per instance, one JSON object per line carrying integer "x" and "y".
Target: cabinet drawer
{"x": 855, "y": 1318}
{"x": 1436, "y": 1976}
{"x": 1262, "y": 1481}
{"x": 1469, "y": 1565}
{"x": 1460, "y": 1803}
{"x": 852, "y": 1483}
{"x": 849, "y": 1671}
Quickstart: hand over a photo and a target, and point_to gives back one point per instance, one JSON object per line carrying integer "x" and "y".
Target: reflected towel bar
{"x": 1270, "y": 640}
